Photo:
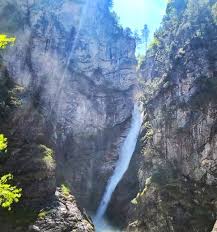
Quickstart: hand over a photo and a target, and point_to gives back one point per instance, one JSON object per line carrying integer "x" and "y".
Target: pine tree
{"x": 145, "y": 35}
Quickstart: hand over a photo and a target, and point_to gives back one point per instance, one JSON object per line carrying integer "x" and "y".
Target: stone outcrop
{"x": 177, "y": 170}
{"x": 62, "y": 215}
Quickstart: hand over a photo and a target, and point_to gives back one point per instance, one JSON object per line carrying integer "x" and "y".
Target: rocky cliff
{"x": 177, "y": 149}
{"x": 43, "y": 207}
{"x": 68, "y": 84}
{"x": 77, "y": 71}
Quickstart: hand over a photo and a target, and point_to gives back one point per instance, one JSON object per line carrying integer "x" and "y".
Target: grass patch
{"x": 65, "y": 190}
{"x": 42, "y": 214}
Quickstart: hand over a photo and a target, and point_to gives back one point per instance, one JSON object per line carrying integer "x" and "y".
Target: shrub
{"x": 3, "y": 143}
{"x": 5, "y": 41}
{"x": 65, "y": 190}
{"x": 8, "y": 193}
{"x": 42, "y": 214}
{"x": 149, "y": 131}
{"x": 48, "y": 155}
{"x": 154, "y": 43}
{"x": 136, "y": 200}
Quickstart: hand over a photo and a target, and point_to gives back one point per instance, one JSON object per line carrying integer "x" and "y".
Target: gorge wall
{"x": 177, "y": 168}
{"x": 68, "y": 84}
{"x": 76, "y": 73}
{"x": 43, "y": 206}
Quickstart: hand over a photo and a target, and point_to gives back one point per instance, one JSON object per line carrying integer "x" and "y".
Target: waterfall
{"x": 123, "y": 162}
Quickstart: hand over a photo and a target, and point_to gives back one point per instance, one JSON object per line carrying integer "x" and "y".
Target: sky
{"x": 135, "y": 13}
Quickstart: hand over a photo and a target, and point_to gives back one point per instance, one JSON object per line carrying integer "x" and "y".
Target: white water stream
{"x": 122, "y": 165}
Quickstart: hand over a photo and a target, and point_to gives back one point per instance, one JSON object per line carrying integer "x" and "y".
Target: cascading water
{"x": 122, "y": 165}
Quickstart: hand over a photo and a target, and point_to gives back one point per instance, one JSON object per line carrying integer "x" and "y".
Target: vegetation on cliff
{"x": 9, "y": 194}
{"x": 91, "y": 59}
{"x": 3, "y": 143}
{"x": 177, "y": 170}
{"x": 5, "y": 41}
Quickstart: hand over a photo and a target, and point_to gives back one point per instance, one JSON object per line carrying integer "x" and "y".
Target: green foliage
{"x": 148, "y": 152}
{"x": 3, "y": 143}
{"x": 65, "y": 190}
{"x": 148, "y": 182}
{"x": 128, "y": 32}
{"x": 149, "y": 134}
{"x": 8, "y": 193}
{"x": 154, "y": 43}
{"x": 136, "y": 200}
{"x": 5, "y": 41}
{"x": 48, "y": 155}
{"x": 137, "y": 38}
{"x": 9, "y": 95}
{"x": 42, "y": 214}
{"x": 8, "y": 92}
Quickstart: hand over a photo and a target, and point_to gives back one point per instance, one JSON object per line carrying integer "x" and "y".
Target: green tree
{"x": 128, "y": 32}
{"x": 3, "y": 143}
{"x": 110, "y": 3}
{"x": 8, "y": 193}
{"x": 137, "y": 38}
{"x": 154, "y": 43}
{"x": 65, "y": 190}
{"x": 145, "y": 35}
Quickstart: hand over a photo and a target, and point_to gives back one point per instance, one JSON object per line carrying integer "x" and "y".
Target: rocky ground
{"x": 62, "y": 215}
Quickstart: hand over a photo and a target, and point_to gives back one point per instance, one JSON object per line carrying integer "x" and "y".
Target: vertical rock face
{"x": 80, "y": 69}
{"x": 33, "y": 167}
{"x": 178, "y": 166}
